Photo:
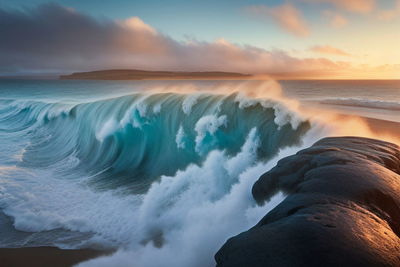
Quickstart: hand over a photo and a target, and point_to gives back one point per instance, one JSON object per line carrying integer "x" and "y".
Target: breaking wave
{"x": 164, "y": 177}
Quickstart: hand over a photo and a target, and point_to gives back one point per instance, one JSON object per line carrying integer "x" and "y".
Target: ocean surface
{"x": 159, "y": 170}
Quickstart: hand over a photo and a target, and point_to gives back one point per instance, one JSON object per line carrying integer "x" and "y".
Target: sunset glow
{"x": 210, "y": 133}
{"x": 313, "y": 39}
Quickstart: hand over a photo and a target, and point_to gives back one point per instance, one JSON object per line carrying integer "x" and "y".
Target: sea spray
{"x": 155, "y": 174}
{"x": 186, "y": 218}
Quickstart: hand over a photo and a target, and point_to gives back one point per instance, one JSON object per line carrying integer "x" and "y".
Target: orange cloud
{"x": 326, "y": 49}
{"x": 335, "y": 20}
{"x": 357, "y": 6}
{"x": 137, "y": 24}
{"x": 53, "y": 38}
{"x": 287, "y": 16}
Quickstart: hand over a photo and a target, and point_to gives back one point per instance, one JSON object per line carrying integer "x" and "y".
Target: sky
{"x": 279, "y": 38}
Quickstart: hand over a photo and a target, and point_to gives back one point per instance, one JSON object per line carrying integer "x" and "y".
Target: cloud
{"x": 356, "y": 6}
{"x": 52, "y": 38}
{"x": 336, "y": 20}
{"x": 137, "y": 24}
{"x": 326, "y": 49}
{"x": 287, "y": 16}
{"x": 364, "y": 7}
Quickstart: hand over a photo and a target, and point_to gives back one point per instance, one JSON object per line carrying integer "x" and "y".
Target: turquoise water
{"x": 156, "y": 168}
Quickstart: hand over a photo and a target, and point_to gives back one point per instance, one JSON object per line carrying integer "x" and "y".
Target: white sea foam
{"x": 182, "y": 220}
{"x": 208, "y": 126}
{"x": 285, "y": 116}
{"x": 189, "y": 101}
{"x": 137, "y": 110}
{"x": 180, "y": 138}
{"x": 26, "y": 195}
{"x": 284, "y": 113}
{"x": 195, "y": 211}
{"x": 107, "y": 129}
{"x": 157, "y": 108}
{"x": 191, "y": 213}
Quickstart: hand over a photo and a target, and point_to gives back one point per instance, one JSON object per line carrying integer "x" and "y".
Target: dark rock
{"x": 342, "y": 209}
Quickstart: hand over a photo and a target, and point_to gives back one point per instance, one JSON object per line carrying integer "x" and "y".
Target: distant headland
{"x": 128, "y": 74}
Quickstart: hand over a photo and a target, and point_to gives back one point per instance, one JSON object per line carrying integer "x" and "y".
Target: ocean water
{"x": 378, "y": 99}
{"x": 159, "y": 171}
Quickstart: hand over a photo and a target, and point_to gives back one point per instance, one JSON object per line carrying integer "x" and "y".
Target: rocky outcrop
{"x": 342, "y": 209}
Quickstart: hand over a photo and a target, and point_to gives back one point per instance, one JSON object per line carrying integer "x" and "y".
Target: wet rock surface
{"x": 342, "y": 209}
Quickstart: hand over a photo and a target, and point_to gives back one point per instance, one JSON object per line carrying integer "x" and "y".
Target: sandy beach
{"x": 383, "y": 126}
{"x": 46, "y": 256}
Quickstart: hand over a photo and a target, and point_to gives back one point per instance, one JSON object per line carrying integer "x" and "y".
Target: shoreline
{"x": 47, "y": 256}
{"x": 381, "y": 126}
